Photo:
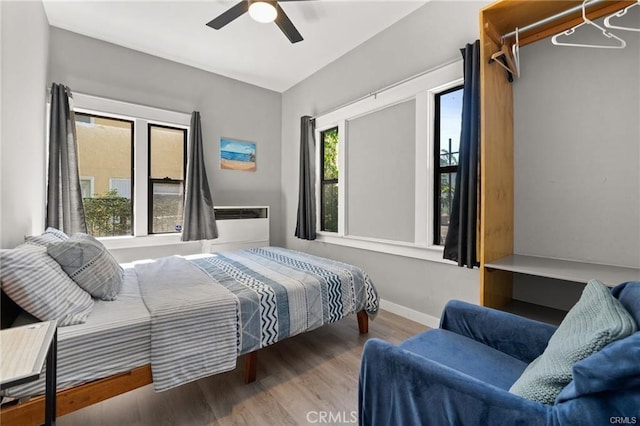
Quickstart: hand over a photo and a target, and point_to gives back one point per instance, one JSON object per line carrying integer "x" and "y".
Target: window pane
{"x": 330, "y": 152}
{"x": 447, "y": 188}
{"x": 166, "y": 152}
{"x": 105, "y": 152}
{"x": 329, "y": 207}
{"x": 167, "y": 204}
{"x": 450, "y": 124}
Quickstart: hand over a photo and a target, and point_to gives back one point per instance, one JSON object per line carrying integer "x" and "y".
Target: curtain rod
{"x": 119, "y": 101}
{"x": 551, "y": 18}
{"x": 385, "y": 88}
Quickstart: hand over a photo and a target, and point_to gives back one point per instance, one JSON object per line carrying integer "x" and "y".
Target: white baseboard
{"x": 408, "y": 313}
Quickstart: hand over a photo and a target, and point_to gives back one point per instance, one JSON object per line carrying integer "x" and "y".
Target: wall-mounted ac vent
{"x": 239, "y": 227}
{"x": 226, "y": 213}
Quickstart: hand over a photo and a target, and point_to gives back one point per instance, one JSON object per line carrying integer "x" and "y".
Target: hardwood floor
{"x": 299, "y": 380}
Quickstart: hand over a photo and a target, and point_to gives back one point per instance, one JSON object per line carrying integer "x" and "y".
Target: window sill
{"x": 398, "y": 248}
{"x": 142, "y": 241}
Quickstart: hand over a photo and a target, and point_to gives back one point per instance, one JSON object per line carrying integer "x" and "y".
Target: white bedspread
{"x": 194, "y": 322}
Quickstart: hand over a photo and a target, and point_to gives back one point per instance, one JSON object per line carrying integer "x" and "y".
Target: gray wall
{"x": 25, "y": 52}
{"x": 228, "y": 108}
{"x": 425, "y": 39}
{"x": 577, "y": 158}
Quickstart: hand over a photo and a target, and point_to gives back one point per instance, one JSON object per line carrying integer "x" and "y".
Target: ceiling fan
{"x": 261, "y": 11}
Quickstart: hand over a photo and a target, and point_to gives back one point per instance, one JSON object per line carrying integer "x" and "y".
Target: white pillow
{"x": 32, "y": 279}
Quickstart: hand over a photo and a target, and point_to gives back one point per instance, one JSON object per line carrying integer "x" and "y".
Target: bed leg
{"x": 363, "y": 322}
{"x": 250, "y": 367}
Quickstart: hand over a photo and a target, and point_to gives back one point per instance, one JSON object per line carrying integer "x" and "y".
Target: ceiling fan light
{"x": 263, "y": 11}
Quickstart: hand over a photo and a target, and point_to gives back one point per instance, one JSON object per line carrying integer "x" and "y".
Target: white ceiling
{"x": 245, "y": 50}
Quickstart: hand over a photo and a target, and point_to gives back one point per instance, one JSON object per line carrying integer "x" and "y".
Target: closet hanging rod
{"x": 555, "y": 17}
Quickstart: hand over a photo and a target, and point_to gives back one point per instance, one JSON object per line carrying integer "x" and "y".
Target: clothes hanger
{"x": 515, "y": 50}
{"x": 587, "y": 21}
{"x": 620, "y": 14}
{"x": 504, "y": 58}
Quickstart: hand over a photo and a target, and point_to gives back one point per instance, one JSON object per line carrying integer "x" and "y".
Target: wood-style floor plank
{"x": 298, "y": 377}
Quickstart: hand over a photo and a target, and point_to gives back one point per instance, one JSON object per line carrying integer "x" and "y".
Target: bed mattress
{"x": 114, "y": 339}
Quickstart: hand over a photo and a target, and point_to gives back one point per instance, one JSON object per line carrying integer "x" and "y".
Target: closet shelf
{"x": 535, "y": 312}
{"x": 568, "y": 270}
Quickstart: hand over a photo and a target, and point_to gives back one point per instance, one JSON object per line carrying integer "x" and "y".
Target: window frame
{"x": 152, "y": 180}
{"x": 131, "y": 121}
{"x": 324, "y": 181}
{"x": 91, "y": 180}
{"x": 439, "y": 170}
{"x": 142, "y": 116}
{"x": 422, "y": 89}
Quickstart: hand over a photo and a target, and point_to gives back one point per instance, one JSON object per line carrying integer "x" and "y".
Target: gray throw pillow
{"x": 32, "y": 279}
{"x": 595, "y": 321}
{"x": 87, "y": 261}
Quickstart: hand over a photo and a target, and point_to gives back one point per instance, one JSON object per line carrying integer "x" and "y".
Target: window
{"x": 381, "y": 180}
{"x": 329, "y": 180}
{"x": 86, "y": 186}
{"x": 447, "y": 126}
{"x": 132, "y": 162}
{"x": 105, "y": 152}
{"x": 167, "y": 146}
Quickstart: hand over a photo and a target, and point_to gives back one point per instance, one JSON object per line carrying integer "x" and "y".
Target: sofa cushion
{"x": 88, "y": 262}
{"x": 595, "y": 321}
{"x": 629, "y": 295}
{"x": 467, "y": 356}
{"x": 614, "y": 368}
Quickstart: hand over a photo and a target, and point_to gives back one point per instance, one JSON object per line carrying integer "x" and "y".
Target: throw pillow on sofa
{"x": 596, "y": 320}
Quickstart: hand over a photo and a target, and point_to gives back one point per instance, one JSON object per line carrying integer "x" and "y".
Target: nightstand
{"x": 22, "y": 353}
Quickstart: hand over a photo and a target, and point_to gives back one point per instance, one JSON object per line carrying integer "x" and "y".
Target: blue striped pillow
{"x": 49, "y": 236}
{"x": 87, "y": 262}
{"x": 33, "y": 280}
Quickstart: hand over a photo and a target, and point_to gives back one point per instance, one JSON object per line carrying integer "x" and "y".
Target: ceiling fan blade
{"x": 228, "y": 16}
{"x": 287, "y": 27}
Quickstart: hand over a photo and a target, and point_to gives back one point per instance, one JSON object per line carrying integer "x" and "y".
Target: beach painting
{"x": 237, "y": 155}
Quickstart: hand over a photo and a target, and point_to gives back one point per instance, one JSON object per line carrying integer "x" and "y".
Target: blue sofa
{"x": 460, "y": 373}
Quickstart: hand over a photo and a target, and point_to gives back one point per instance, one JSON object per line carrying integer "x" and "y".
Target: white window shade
{"x": 381, "y": 173}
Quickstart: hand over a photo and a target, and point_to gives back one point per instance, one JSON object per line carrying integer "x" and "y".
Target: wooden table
{"x": 22, "y": 353}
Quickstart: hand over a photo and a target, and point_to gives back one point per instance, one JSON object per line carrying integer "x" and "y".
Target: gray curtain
{"x": 64, "y": 197}
{"x": 199, "y": 222}
{"x": 306, "y": 223}
{"x": 460, "y": 244}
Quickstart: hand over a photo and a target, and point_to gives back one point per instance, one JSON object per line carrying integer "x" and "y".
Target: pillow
{"x": 88, "y": 263}
{"x": 595, "y": 321}
{"x": 49, "y": 236}
{"x": 32, "y": 279}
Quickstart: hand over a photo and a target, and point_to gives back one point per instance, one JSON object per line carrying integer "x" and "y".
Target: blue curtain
{"x": 460, "y": 244}
{"x": 306, "y": 219}
{"x": 65, "y": 210}
{"x": 199, "y": 220}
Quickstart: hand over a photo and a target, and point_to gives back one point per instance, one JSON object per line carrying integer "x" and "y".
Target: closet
{"x": 498, "y": 262}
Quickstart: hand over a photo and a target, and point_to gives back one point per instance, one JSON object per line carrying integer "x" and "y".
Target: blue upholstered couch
{"x": 460, "y": 374}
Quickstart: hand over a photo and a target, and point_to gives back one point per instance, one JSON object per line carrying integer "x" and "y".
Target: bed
{"x": 275, "y": 294}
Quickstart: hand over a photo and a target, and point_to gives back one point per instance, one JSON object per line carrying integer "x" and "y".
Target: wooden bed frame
{"x": 67, "y": 401}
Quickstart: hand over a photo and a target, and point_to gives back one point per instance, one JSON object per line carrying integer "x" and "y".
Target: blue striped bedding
{"x": 281, "y": 293}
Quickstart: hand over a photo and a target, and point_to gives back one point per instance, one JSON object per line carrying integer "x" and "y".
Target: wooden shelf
{"x": 535, "y": 312}
{"x": 567, "y": 270}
